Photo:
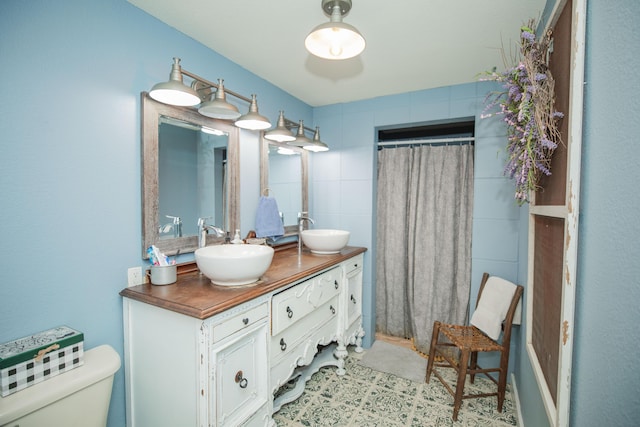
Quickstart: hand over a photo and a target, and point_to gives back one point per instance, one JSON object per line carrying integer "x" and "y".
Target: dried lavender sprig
{"x": 527, "y": 107}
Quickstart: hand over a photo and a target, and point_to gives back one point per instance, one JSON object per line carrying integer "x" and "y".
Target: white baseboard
{"x": 516, "y": 399}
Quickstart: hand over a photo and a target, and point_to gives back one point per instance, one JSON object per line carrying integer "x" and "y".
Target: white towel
{"x": 517, "y": 316}
{"x": 268, "y": 221}
{"x": 493, "y": 306}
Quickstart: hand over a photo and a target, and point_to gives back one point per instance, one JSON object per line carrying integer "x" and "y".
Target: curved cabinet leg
{"x": 359, "y": 335}
{"x": 340, "y": 353}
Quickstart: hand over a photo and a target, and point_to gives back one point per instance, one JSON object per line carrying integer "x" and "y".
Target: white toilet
{"x": 76, "y": 398}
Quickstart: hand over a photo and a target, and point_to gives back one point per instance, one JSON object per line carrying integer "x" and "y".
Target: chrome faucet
{"x": 177, "y": 225}
{"x": 302, "y": 217}
{"x": 203, "y": 230}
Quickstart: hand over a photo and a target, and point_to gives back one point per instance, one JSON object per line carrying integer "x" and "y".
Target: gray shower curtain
{"x": 424, "y": 217}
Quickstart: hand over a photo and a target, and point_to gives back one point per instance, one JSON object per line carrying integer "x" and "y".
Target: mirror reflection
{"x": 190, "y": 158}
{"x": 190, "y": 170}
{"x": 284, "y": 177}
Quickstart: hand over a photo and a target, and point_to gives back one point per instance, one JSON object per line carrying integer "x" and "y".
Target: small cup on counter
{"x": 163, "y": 274}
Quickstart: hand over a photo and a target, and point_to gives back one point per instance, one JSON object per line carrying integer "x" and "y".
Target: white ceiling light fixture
{"x": 218, "y": 107}
{"x": 301, "y": 140}
{"x": 335, "y": 39}
{"x": 175, "y": 92}
{"x": 281, "y": 133}
{"x": 316, "y": 145}
{"x": 253, "y": 120}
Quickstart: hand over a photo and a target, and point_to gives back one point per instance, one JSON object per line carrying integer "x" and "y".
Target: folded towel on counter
{"x": 268, "y": 221}
{"x": 493, "y": 306}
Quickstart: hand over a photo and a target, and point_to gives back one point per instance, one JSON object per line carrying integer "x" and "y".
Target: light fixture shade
{"x": 281, "y": 133}
{"x": 252, "y": 120}
{"x": 175, "y": 92}
{"x": 218, "y": 107}
{"x": 301, "y": 139}
{"x": 317, "y": 145}
{"x": 335, "y": 39}
{"x": 286, "y": 151}
{"x": 212, "y": 131}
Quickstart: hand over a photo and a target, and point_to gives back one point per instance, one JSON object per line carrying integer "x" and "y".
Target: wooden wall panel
{"x": 553, "y": 187}
{"x": 547, "y": 295}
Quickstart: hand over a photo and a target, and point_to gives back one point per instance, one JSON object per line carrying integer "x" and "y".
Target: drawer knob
{"x": 333, "y": 310}
{"x": 283, "y": 345}
{"x": 241, "y": 380}
{"x": 336, "y": 282}
{"x": 245, "y": 320}
{"x": 289, "y": 312}
{"x": 353, "y": 299}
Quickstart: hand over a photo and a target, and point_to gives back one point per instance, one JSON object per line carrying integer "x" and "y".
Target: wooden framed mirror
{"x": 284, "y": 176}
{"x": 190, "y": 170}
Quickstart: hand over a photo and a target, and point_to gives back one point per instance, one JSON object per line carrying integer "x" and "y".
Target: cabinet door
{"x": 240, "y": 376}
{"x": 354, "y": 304}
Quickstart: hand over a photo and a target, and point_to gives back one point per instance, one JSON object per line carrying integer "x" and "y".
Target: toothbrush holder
{"x": 163, "y": 274}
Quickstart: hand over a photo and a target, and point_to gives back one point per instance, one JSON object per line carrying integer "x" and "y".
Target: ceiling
{"x": 411, "y": 44}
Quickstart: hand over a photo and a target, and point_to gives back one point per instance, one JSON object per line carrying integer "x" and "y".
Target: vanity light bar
{"x": 209, "y": 85}
{"x": 175, "y": 92}
{"x": 291, "y": 124}
{"x": 314, "y": 145}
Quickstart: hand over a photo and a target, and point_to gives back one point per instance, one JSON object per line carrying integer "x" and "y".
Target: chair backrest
{"x": 508, "y": 319}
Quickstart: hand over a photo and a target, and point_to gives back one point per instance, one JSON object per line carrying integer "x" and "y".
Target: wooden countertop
{"x": 194, "y": 295}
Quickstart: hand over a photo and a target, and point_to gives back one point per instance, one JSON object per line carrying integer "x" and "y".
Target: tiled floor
{"x": 366, "y": 398}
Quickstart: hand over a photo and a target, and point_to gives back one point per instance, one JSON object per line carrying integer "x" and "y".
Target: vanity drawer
{"x": 239, "y": 321}
{"x": 286, "y": 341}
{"x": 293, "y": 304}
{"x": 302, "y": 354}
{"x": 354, "y": 263}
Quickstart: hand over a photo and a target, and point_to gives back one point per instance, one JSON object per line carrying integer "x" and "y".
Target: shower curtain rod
{"x": 452, "y": 141}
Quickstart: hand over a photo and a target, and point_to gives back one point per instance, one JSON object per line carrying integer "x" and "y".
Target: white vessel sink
{"x": 325, "y": 241}
{"x": 234, "y": 265}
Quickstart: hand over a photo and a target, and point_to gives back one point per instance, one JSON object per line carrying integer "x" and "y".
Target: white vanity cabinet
{"x": 201, "y": 355}
{"x": 182, "y": 371}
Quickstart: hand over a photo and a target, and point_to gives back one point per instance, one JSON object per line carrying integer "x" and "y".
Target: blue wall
{"x": 605, "y": 377}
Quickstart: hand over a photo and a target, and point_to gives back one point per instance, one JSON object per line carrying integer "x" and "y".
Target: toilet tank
{"x": 77, "y": 398}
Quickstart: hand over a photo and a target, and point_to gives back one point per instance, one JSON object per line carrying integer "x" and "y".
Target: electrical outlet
{"x": 134, "y": 276}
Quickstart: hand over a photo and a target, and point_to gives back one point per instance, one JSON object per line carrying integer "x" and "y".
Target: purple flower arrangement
{"x": 527, "y": 107}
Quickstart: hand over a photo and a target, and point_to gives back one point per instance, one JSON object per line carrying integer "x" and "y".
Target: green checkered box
{"x": 35, "y": 358}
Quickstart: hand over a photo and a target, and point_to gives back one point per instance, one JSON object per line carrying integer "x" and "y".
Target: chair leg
{"x": 432, "y": 350}
{"x": 473, "y": 366}
{"x": 502, "y": 380}
{"x": 462, "y": 374}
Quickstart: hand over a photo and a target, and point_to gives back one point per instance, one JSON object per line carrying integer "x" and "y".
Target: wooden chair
{"x": 470, "y": 340}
